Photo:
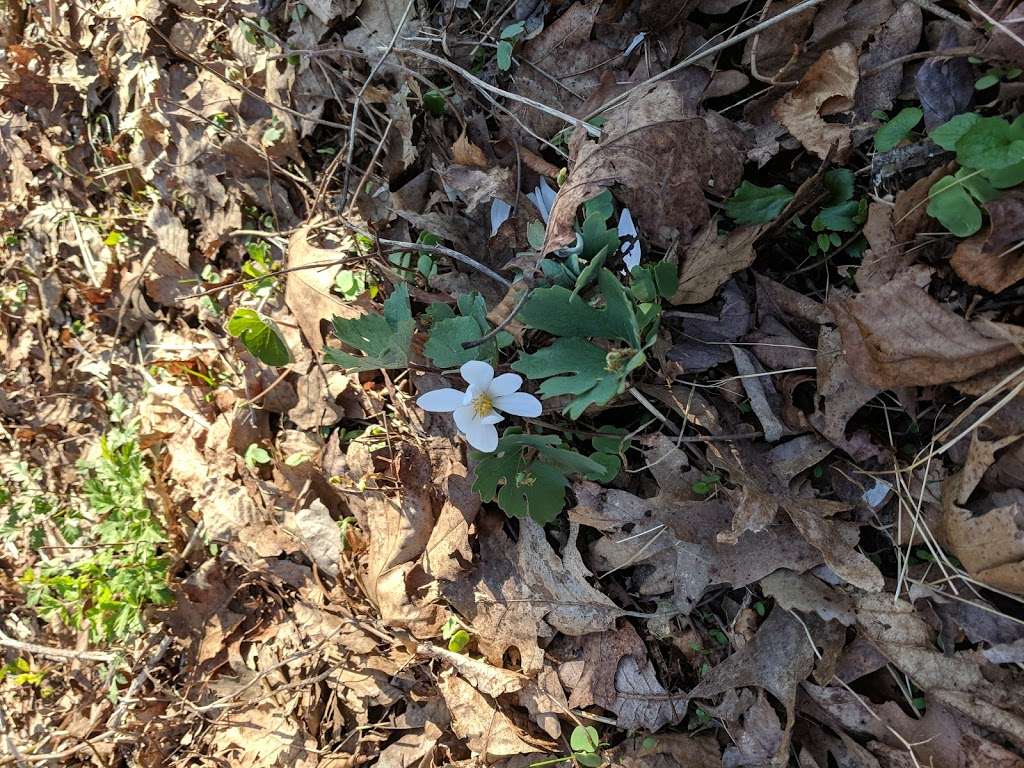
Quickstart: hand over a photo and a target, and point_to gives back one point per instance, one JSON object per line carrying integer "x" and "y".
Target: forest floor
{"x": 419, "y": 383}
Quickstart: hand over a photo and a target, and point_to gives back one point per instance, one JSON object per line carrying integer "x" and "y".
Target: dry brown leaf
{"x": 488, "y": 732}
{"x": 546, "y": 702}
{"x": 668, "y": 750}
{"x": 675, "y": 537}
{"x": 764, "y": 400}
{"x": 886, "y": 255}
{"x": 662, "y": 128}
{"x": 481, "y": 675}
{"x": 807, "y": 594}
{"x": 778, "y": 659}
{"x": 465, "y": 152}
{"x": 399, "y": 526}
{"x": 475, "y": 187}
{"x": 955, "y": 679}
{"x": 611, "y": 669}
{"x": 319, "y": 536}
{"x": 827, "y": 89}
{"x": 308, "y": 288}
{"x": 711, "y": 259}
{"x": 263, "y": 736}
{"x": 410, "y": 749}
{"x": 897, "y": 335}
{"x": 762, "y": 493}
{"x": 899, "y": 36}
{"x": 994, "y": 260}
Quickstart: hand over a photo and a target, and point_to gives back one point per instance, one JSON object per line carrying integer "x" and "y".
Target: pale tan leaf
{"x": 488, "y": 732}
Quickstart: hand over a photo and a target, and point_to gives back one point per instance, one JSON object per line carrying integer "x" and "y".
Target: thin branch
{"x": 354, "y": 119}
{"x": 500, "y": 326}
{"x": 55, "y": 653}
{"x": 700, "y": 56}
{"x": 399, "y": 246}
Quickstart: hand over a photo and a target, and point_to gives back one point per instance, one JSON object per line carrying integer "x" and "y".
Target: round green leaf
{"x": 504, "y": 55}
{"x": 953, "y": 207}
{"x": 584, "y": 738}
{"x": 893, "y": 132}
{"x": 949, "y": 133}
{"x": 260, "y": 336}
{"x": 991, "y": 143}
{"x": 985, "y": 81}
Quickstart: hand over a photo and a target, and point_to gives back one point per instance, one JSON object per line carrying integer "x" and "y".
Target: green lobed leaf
{"x": 991, "y": 143}
{"x": 601, "y": 205}
{"x": 751, "y": 204}
{"x": 557, "y": 312}
{"x": 530, "y": 471}
{"x": 1004, "y": 178}
{"x": 894, "y": 131}
{"x": 837, "y": 218}
{"x": 950, "y": 203}
{"x": 574, "y": 366}
{"x": 384, "y": 339}
{"x": 949, "y": 133}
{"x": 260, "y": 336}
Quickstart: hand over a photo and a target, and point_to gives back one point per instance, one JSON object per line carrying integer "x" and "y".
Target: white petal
{"x": 440, "y": 400}
{"x": 478, "y": 373}
{"x": 547, "y": 193}
{"x": 637, "y": 39}
{"x": 500, "y": 211}
{"x": 518, "y": 404}
{"x": 493, "y": 418}
{"x": 465, "y": 418}
{"x": 626, "y": 226}
{"x": 632, "y": 259}
{"x": 505, "y": 384}
{"x": 483, "y": 437}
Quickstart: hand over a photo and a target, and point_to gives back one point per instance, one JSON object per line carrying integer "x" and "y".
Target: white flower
{"x": 631, "y": 258}
{"x": 476, "y": 409}
{"x": 543, "y": 196}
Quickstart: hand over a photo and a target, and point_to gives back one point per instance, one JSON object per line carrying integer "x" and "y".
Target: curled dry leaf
{"x": 611, "y": 669}
{"x": 897, "y": 335}
{"x": 308, "y": 287}
{"x": 711, "y": 259}
{"x": 827, "y": 89}
{"x": 487, "y": 731}
{"x": 995, "y": 260}
{"x": 777, "y": 660}
{"x": 661, "y": 128}
{"x": 955, "y": 679}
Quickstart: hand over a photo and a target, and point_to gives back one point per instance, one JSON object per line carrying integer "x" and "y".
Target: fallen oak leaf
{"x": 897, "y": 335}
{"x": 487, "y": 731}
{"x": 662, "y": 128}
{"x": 826, "y": 89}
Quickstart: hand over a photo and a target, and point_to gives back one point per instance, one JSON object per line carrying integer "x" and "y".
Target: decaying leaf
{"x": 487, "y": 731}
{"x": 611, "y": 669}
{"x": 897, "y": 335}
{"x": 662, "y": 128}
{"x": 994, "y": 260}
{"x": 826, "y": 90}
{"x": 711, "y": 259}
{"x": 308, "y": 288}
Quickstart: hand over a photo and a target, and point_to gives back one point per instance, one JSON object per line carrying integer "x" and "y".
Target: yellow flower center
{"x": 482, "y": 405}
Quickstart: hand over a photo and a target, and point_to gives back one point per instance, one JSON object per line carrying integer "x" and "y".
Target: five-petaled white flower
{"x": 476, "y": 409}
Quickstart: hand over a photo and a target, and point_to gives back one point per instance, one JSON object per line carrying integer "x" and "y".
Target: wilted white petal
{"x": 477, "y": 373}
{"x": 637, "y": 39}
{"x": 500, "y": 211}
{"x": 483, "y": 437}
{"x": 506, "y": 384}
{"x": 518, "y": 404}
{"x": 441, "y": 400}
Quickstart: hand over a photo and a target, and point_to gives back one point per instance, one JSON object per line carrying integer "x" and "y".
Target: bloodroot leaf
{"x": 260, "y": 336}
{"x": 950, "y": 203}
{"x": 893, "y": 132}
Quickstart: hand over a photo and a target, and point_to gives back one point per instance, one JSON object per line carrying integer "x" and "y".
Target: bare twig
{"x": 701, "y": 55}
{"x": 398, "y": 246}
{"x": 442, "y": 62}
{"x": 353, "y": 122}
{"x": 55, "y": 653}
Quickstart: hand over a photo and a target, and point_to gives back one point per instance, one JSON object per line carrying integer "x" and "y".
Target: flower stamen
{"x": 483, "y": 405}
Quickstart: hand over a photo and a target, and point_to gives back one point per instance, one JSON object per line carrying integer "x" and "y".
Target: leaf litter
{"x": 770, "y": 513}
